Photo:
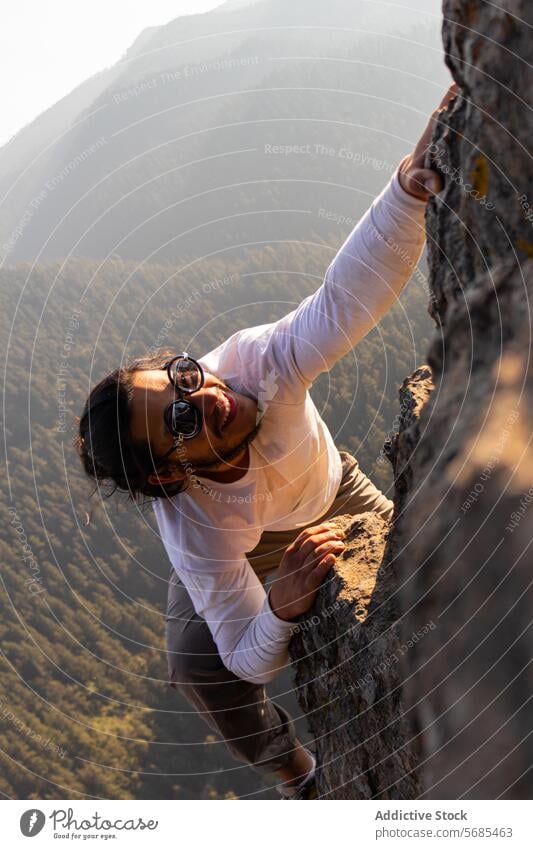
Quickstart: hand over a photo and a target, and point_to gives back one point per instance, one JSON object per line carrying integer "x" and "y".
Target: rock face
{"x": 347, "y": 651}
{"x": 452, "y": 718}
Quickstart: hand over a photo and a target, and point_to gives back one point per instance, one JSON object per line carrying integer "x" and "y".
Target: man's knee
{"x": 180, "y": 659}
{"x": 192, "y": 655}
{"x": 179, "y": 669}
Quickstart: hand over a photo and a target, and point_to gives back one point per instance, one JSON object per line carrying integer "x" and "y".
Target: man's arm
{"x": 360, "y": 285}
{"x": 251, "y": 638}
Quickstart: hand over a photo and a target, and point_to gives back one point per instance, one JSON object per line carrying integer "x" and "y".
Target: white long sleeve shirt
{"x": 295, "y": 468}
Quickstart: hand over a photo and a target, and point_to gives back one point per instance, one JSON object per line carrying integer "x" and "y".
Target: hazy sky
{"x": 48, "y": 47}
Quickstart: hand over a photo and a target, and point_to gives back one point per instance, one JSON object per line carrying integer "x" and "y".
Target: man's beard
{"x": 227, "y": 456}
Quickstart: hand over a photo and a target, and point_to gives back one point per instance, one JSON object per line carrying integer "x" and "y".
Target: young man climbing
{"x": 245, "y": 476}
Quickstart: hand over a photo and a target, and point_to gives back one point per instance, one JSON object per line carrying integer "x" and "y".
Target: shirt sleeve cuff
{"x": 279, "y": 629}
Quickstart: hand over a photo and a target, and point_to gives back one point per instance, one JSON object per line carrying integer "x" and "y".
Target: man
{"x": 245, "y": 476}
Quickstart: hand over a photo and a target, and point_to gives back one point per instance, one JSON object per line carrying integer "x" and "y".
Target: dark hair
{"x": 104, "y": 442}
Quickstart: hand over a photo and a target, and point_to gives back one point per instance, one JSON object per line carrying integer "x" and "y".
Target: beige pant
{"x": 256, "y": 730}
{"x": 356, "y": 494}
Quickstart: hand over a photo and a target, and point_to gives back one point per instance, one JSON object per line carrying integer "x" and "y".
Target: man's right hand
{"x": 414, "y": 177}
{"x": 303, "y": 567}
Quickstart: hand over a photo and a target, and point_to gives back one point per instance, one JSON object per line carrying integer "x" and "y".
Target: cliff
{"x": 414, "y": 665}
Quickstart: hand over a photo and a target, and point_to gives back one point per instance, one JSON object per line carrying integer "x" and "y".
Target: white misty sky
{"x": 48, "y": 47}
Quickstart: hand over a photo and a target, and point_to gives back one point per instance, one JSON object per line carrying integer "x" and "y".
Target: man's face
{"x": 218, "y": 442}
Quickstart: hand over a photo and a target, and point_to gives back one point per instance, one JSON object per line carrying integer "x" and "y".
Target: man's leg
{"x": 357, "y": 493}
{"x": 256, "y": 730}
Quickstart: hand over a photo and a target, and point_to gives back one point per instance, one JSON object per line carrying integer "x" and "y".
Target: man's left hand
{"x": 414, "y": 178}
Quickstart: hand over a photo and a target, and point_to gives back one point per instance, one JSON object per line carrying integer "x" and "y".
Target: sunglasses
{"x": 183, "y": 419}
